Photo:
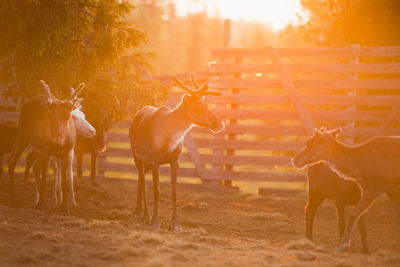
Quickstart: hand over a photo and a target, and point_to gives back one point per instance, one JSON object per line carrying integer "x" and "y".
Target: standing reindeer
{"x": 102, "y": 120}
{"x": 84, "y": 129}
{"x": 46, "y": 123}
{"x": 375, "y": 165}
{"x": 156, "y": 137}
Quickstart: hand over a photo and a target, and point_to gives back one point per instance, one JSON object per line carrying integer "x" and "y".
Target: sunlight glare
{"x": 276, "y": 13}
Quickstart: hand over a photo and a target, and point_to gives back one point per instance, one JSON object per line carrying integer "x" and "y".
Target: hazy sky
{"x": 277, "y": 13}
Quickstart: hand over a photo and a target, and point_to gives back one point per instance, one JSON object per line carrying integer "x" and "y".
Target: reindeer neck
{"x": 178, "y": 122}
{"x": 343, "y": 160}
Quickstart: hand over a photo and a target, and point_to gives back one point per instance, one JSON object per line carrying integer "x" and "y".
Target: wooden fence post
{"x": 228, "y": 183}
{"x": 219, "y": 152}
{"x": 351, "y": 92}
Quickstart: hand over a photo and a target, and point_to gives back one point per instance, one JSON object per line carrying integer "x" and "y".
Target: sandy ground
{"x": 221, "y": 228}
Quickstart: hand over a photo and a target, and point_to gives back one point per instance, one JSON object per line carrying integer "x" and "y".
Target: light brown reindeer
{"x": 375, "y": 165}
{"x": 156, "y": 137}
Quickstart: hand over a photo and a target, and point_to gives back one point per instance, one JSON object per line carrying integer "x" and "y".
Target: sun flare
{"x": 277, "y": 14}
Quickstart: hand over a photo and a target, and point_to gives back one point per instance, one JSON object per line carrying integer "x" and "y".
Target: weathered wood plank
{"x": 246, "y": 160}
{"x": 249, "y": 145}
{"x": 254, "y": 99}
{"x": 270, "y": 130}
{"x": 164, "y": 170}
{"x": 126, "y": 153}
{"x": 9, "y": 116}
{"x": 321, "y": 115}
{"x": 259, "y": 83}
{"x": 311, "y": 52}
{"x": 331, "y": 68}
{"x": 255, "y": 176}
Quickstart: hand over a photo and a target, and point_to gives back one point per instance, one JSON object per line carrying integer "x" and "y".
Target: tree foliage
{"x": 346, "y": 22}
{"x": 67, "y": 42}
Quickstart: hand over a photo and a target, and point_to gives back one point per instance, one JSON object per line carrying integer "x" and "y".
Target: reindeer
{"x": 84, "y": 129}
{"x": 156, "y": 136}
{"x": 46, "y": 123}
{"x": 102, "y": 121}
{"x": 373, "y": 164}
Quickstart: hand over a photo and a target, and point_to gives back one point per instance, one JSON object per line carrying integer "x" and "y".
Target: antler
{"x": 71, "y": 91}
{"x": 194, "y": 81}
{"x": 201, "y": 90}
{"x": 75, "y": 94}
{"x": 183, "y": 86}
{"x": 46, "y": 89}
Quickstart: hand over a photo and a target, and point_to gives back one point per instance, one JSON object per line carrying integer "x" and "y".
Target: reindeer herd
{"x": 57, "y": 130}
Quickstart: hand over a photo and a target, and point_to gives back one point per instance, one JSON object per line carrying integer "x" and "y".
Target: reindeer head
{"x": 59, "y": 112}
{"x": 317, "y": 149}
{"x": 196, "y": 108}
{"x": 82, "y": 126}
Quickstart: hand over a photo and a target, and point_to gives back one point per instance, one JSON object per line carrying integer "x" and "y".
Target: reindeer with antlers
{"x": 156, "y": 137}
{"x": 46, "y": 123}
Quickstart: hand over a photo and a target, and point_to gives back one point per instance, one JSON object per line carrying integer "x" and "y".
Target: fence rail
{"x": 271, "y": 101}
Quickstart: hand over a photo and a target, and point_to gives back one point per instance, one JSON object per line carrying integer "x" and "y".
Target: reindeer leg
{"x": 57, "y": 181}
{"x": 368, "y": 195}
{"x": 42, "y": 189}
{"x": 30, "y": 158}
{"x": 146, "y": 214}
{"x": 341, "y": 213}
{"x": 64, "y": 206}
{"x": 363, "y": 234}
{"x": 19, "y": 147}
{"x": 394, "y": 195}
{"x": 70, "y": 174}
{"x": 93, "y": 166}
{"x": 79, "y": 157}
{"x": 155, "y": 170}
{"x": 174, "y": 175}
{"x": 36, "y": 172}
{"x": 139, "y": 207}
{"x": 314, "y": 201}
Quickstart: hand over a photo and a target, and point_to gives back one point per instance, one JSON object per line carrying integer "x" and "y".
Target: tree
{"x": 346, "y": 22}
{"x": 66, "y": 42}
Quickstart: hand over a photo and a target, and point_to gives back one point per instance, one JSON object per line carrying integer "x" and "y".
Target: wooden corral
{"x": 272, "y": 99}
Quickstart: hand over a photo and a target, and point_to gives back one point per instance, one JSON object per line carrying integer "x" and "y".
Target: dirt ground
{"x": 222, "y": 227}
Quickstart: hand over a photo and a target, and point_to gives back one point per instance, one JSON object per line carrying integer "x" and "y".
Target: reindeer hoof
{"x": 342, "y": 248}
{"x": 176, "y": 227}
{"x": 146, "y": 218}
{"x": 74, "y": 203}
{"x": 138, "y": 214}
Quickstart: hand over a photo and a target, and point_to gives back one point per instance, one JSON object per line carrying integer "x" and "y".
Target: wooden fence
{"x": 272, "y": 99}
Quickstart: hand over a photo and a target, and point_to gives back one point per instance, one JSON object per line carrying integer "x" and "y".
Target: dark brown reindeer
{"x": 102, "y": 122}
{"x": 46, "y": 123}
{"x": 156, "y": 137}
{"x": 375, "y": 166}
{"x": 323, "y": 184}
